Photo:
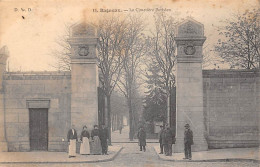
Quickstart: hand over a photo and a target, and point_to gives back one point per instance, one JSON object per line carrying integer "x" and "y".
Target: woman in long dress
{"x": 72, "y": 139}
{"x": 96, "y": 144}
{"x": 84, "y": 137}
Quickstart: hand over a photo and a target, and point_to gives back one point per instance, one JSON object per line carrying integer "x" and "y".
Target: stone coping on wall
{"x": 232, "y": 73}
{"x": 37, "y": 75}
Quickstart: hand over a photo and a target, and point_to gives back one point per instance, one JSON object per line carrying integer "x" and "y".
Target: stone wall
{"x": 231, "y": 107}
{"x": 21, "y": 87}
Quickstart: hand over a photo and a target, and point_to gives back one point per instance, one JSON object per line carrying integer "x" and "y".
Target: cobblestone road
{"x": 131, "y": 156}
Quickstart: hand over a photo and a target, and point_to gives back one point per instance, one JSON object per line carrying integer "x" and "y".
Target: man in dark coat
{"x": 103, "y": 139}
{"x": 169, "y": 138}
{"x": 160, "y": 134}
{"x": 188, "y": 141}
{"x": 142, "y": 138}
{"x": 120, "y": 128}
{"x": 72, "y": 139}
{"x": 164, "y": 142}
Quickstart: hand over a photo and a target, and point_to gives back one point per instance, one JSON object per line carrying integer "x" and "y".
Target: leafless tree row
{"x": 127, "y": 47}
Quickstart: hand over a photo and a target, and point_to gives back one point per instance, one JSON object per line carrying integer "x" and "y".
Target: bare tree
{"x": 163, "y": 49}
{"x": 134, "y": 50}
{"x": 62, "y": 52}
{"x": 210, "y": 60}
{"x": 112, "y": 32}
{"x": 241, "y": 44}
{"x": 118, "y": 110}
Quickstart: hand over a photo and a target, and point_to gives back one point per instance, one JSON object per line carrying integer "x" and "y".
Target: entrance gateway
{"x": 84, "y": 83}
{"x": 189, "y": 94}
{"x": 72, "y": 98}
{"x": 52, "y": 101}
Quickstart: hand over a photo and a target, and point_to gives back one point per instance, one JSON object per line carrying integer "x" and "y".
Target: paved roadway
{"x": 131, "y": 156}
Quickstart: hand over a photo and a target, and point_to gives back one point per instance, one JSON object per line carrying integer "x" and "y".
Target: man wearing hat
{"x": 168, "y": 140}
{"x": 188, "y": 141}
{"x": 142, "y": 138}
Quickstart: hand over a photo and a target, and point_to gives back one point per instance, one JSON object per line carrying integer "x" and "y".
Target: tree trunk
{"x": 113, "y": 122}
{"x": 131, "y": 122}
{"x": 168, "y": 110}
{"x": 109, "y": 118}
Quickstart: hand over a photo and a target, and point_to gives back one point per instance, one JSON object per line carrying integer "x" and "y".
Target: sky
{"x": 29, "y": 28}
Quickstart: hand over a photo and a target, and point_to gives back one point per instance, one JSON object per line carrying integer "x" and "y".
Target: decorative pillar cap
{"x": 83, "y": 30}
{"x": 83, "y": 40}
{"x": 190, "y": 38}
{"x": 190, "y": 28}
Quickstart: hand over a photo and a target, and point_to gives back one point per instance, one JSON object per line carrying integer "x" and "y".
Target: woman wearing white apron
{"x": 84, "y": 137}
{"x": 72, "y": 139}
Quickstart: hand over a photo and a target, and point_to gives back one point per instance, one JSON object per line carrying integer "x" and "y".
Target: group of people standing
{"x": 167, "y": 139}
{"x": 94, "y": 143}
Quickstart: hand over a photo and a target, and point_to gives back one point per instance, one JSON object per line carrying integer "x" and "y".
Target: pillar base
{"x": 199, "y": 145}
{"x": 3, "y": 146}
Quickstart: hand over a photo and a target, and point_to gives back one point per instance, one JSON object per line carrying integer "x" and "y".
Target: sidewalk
{"x": 215, "y": 155}
{"x": 57, "y": 157}
{"x": 124, "y": 137}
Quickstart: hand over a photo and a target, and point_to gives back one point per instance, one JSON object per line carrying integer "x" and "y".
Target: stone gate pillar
{"x": 3, "y": 57}
{"x": 189, "y": 93}
{"x": 84, "y": 76}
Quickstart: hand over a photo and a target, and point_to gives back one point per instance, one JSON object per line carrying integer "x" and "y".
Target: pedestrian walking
{"x": 142, "y": 138}
{"x": 104, "y": 139}
{"x": 95, "y": 147}
{"x": 84, "y": 137}
{"x": 72, "y": 141}
{"x": 120, "y": 129}
{"x": 160, "y": 134}
{"x": 188, "y": 141}
{"x": 169, "y": 140}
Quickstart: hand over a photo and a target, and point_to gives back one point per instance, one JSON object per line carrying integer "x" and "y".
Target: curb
{"x": 133, "y": 142}
{"x": 94, "y": 161}
{"x": 111, "y": 159}
{"x": 210, "y": 160}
